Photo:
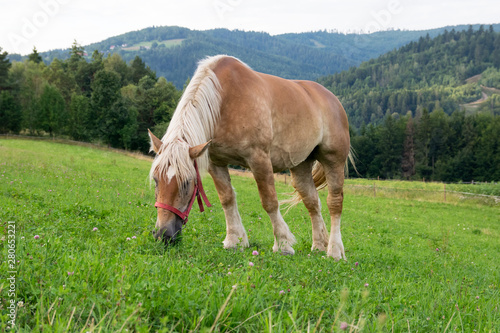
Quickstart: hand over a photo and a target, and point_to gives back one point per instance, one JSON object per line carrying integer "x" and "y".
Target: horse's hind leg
{"x": 262, "y": 170}
{"x": 235, "y": 232}
{"x": 303, "y": 183}
{"x": 334, "y": 172}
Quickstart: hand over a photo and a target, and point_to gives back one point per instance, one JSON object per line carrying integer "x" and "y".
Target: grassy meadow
{"x": 85, "y": 259}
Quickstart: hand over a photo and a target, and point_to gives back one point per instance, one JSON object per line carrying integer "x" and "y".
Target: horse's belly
{"x": 283, "y": 159}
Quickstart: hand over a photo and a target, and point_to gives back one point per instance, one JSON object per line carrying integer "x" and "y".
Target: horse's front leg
{"x": 262, "y": 170}
{"x": 235, "y": 232}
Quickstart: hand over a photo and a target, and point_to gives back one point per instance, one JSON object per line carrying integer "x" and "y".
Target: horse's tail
{"x": 319, "y": 177}
{"x": 350, "y": 158}
{"x": 318, "y": 174}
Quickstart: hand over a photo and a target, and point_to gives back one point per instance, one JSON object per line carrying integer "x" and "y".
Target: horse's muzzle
{"x": 168, "y": 235}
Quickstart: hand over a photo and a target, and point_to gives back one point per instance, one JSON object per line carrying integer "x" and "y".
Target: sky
{"x": 54, "y": 24}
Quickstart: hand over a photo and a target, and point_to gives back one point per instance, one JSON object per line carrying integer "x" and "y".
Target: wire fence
{"x": 435, "y": 192}
{"x": 434, "y": 195}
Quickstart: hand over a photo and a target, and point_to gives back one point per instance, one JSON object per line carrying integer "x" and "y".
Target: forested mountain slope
{"x": 429, "y": 110}
{"x": 174, "y": 51}
{"x": 428, "y": 73}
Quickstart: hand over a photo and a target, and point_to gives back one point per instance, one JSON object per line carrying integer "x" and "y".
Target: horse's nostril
{"x": 165, "y": 236}
{"x": 169, "y": 232}
{"x": 168, "y": 240}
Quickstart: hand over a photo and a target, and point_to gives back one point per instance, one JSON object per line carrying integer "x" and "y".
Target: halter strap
{"x": 198, "y": 192}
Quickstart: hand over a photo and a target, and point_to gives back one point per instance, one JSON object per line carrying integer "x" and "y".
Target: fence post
{"x": 444, "y": 192}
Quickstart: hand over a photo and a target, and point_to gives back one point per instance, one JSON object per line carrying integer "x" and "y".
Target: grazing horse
{"x": 230, "y": 114}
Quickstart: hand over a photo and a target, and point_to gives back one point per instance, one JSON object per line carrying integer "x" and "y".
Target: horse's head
{"x": 175, "y": 187}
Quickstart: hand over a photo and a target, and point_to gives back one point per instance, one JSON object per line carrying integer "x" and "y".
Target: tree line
{"x": 431, "y": 146}
{"x": 103, "y": 100}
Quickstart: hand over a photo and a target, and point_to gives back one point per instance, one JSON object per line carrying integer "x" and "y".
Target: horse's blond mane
{"x": 192, "y": 124}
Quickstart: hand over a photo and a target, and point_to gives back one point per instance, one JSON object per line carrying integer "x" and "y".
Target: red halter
{"x": 198, "y": 192}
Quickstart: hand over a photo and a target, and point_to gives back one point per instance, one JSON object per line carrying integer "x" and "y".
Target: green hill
{"x": 174, "y": 51}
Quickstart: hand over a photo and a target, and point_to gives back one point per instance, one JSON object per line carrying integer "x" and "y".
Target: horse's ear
{"x": 155, "y": 142}
{"x": 196, "y": 151}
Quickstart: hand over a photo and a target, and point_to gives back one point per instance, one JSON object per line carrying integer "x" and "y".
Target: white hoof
{"x": 283, "y": 247}
{"x": 336, "y": 251}
{"x": 235, "y": 241}
{"x": 319, "y": 246}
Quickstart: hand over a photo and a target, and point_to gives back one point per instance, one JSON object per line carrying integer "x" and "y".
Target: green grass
{"x": 422, "y": 266}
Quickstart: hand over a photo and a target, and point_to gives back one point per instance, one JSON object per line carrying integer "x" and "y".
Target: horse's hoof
{"x": 337, "y": 255}
{"x": 319, "y": 247}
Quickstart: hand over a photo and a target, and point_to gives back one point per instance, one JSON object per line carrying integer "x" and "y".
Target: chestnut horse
{"x": 230, "y": 114}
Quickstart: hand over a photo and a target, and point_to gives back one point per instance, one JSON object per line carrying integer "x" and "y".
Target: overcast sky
{"x": 51, "y": 24}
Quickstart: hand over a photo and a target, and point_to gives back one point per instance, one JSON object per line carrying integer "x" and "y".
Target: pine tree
{"x": 422, "y": 144}
{"x": 139, "y": 70}
{"x": 105, "y": 93}
{"x": 4, "y": 69}
{"x": 79, "y": 117}
{"x": 408, "y": 160}
{"x": 35, "y": 56}
{"x": 10, "y": 113}
{"x": 76, "y": 56}
{"x": 389, "y": 146}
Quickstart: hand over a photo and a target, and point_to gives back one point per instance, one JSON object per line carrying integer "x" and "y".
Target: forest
{"x": 429, "y": 110}
{"x": 413, "y": 114}
{"x": 104, "y": 100}
{"x": 434, "y": 146}
{"x": 428, "y": 73}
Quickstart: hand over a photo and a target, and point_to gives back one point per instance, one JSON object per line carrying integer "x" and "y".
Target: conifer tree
{"x": 35, "y": 56}
{"x": 4, "y": 69}
{"x": 408, "y": 160}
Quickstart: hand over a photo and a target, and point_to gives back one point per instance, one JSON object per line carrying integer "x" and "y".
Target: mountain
{"x": 173, "y": 52}
{"x": 431, "y": 73}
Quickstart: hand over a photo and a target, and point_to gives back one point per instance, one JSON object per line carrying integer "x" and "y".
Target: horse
{"x": 230, "y": 114}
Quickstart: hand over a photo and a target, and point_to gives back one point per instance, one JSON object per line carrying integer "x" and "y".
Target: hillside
{"x": 426, "y": 74}
{"x": 174, "y": 51}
